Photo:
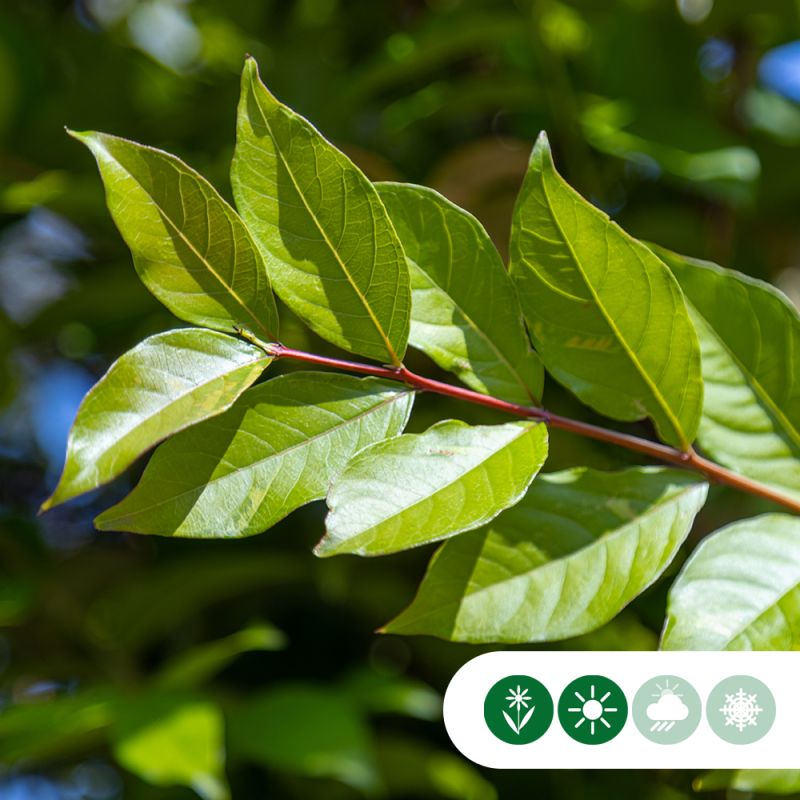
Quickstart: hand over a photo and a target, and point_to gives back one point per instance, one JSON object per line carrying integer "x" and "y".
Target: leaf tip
{"x": 59, "y": 495}
{"x": 252, "y": 83}
{"x": 105, "y": 522}
{"x": 542, "y": 153}
{"x": 80, "y": 136}
{"x": 323, "y": 548}
{"x": 250, "y": 67}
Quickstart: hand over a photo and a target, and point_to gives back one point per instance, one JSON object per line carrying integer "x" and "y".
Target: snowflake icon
{"x": 741, "y": 710}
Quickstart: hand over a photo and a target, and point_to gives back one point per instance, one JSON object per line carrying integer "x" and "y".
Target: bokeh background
{"x": 127, "y": 663}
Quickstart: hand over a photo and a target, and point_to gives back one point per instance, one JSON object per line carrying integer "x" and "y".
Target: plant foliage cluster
{"x": 632, "y": 330}
{"x": 248, "y": 434}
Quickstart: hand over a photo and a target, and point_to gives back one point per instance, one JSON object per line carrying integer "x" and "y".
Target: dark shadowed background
{"x": 121, "y": 657}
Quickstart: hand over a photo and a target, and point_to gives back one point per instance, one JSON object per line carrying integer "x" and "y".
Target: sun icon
{"x": 593, "y": 710}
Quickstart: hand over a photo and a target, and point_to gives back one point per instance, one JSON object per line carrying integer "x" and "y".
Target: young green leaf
{"x": 333, "y": 255}
{"x": 172, "y": 740}
{"x": 740, "y": 590}
{"x": 193, "y": 668}
{"x": 277, "y": 449}
{"x": 606, "y": 315}
{"x": 464, "y": 313}
{"x": 749, "y": 337}
{"x": 420, "y": 488}
{"x": 578, "y": 548}
{"x": 165, "y": 384}
{"x": 190, "y": 248}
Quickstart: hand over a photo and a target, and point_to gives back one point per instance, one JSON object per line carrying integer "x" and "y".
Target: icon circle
{"x": 741, "y": 709}
{"x": 592, "y": 709}
{"x": 518, "y": 709}
{"x": 667, "y": 709}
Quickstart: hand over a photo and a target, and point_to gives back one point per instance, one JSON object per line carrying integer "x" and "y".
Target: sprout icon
{"x": 518, "y": 709}
{"x": 519, "y": 699}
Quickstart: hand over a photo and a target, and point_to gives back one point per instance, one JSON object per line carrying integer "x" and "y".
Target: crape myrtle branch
{"x": 686, "y": 459}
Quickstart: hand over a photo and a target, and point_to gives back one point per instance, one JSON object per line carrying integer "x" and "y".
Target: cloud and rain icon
{"x": 668, "y": 710}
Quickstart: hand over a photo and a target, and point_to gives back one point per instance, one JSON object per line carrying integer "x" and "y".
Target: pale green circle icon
{"x": 667, "y": 709}
{"x": 741, "y": 709}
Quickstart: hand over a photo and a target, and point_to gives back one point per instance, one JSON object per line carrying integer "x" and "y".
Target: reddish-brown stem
{"x": 662, "y": 452}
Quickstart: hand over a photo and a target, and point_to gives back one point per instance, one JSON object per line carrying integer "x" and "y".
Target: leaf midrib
{"x": 525, "y": 429}
{"x": 183, "y": 395}
{"x": 676, "y": 426}
{"x": 793, "y": 588}
{"x": 553, "y": 562}
{"x": 752, "y": 381}
{"x": 203, "y": 260}
{"x": 378, "y": 327}
{"x": 795, "y": 585}
{"x": 277, "y": 454}
{"x": 501, "y": 357}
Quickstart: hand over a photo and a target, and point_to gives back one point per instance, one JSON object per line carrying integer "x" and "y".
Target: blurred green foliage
{"x": 148, "y": 669}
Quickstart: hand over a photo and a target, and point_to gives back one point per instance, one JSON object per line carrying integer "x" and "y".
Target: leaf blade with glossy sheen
{"x": 749, "y": 336}
{"x": 277, "y": 449}
{"x": 607, "y": 317}
{"x": 420, "y": 488}
{"x": 333, "y": 255}
{"x": 165, "y": 384}
{"x": 740, "y": 590}
{"x": 190, "y": 248}
{"x": 564, "y": 561}
{"x": 464, "y": 312}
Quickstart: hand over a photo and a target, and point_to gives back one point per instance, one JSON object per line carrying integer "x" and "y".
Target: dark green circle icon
{"x": 518, "y": 709}
{"x": 592, "y": 709}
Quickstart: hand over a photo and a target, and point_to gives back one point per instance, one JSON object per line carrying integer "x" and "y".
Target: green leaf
{"x": 172, "y": 740}
{"x": 740, "y": 590}
{"x": 381, "y": 693}
{"x": 578, "y": 548}
{"x": 411, "y": 768}
{"x": 168, "y": 382}
{"x": 277, "y": 449}
{"x": 419, "y": 488}
{"x": 768, "y": 781}
{"x": 333, "y": 255}
{"x": 749, "y": 337}
{"x": 201, "y": 663}
{"x": 465, "y": 313}
{"x": 606, "y": 316}
{"x": 55, "y": 728}
{"x": 190, "y": 248}
{"x": 305, "y": 729}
